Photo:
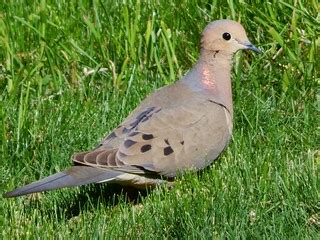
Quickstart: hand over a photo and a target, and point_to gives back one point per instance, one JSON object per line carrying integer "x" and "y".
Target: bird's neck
{"x": 212, "y": 76}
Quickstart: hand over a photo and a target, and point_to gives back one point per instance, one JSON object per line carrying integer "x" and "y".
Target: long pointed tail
{"x": 74, "y": 176}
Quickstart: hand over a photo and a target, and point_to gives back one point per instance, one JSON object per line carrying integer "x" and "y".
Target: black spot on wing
{"x": 167, "y": 151}
{"x": 182, "y": 142}
{"x": 142, "y": 117}
{"x": 111, "y": 136}
{"x": 125, "y": 130}
{"x": 167, "y": 141}
{"x": 134, "y": 123}
{"x": 146, "y": 148}
{"x": 128, "y": 143}
{"x": 147, "y": 136}
{"x": 145, "y": 113}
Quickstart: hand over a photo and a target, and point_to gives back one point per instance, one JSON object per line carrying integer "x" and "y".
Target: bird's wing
{"x": 164, "y": 140}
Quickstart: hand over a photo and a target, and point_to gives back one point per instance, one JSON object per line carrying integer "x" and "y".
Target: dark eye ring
{"x": 226, "y": 36}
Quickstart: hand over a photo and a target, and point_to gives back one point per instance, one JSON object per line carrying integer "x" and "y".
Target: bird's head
{"x": 225, "y": 36}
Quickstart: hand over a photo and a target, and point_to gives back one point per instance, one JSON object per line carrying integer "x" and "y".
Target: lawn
{"x": 70, "y": 71}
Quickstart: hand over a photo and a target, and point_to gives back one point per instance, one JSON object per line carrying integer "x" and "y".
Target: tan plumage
{"x": 182, "y": 126}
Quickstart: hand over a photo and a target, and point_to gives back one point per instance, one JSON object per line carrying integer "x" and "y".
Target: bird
{"x": 180, "y": 127}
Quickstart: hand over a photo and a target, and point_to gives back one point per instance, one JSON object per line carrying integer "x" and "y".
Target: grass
{"x": 72, "y": 70}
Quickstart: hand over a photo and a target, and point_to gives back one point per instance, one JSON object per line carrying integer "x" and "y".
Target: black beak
{"x": 252, "y": 47}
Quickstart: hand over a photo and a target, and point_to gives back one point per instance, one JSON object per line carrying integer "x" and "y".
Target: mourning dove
{"x": 183, "y": 126}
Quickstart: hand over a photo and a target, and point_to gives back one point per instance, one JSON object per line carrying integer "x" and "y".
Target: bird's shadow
{"x": 88, "y": 197}
{"x": 109, "y": 195}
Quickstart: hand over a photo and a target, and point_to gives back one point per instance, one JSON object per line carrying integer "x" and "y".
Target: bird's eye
{"x": 226, "y": 36}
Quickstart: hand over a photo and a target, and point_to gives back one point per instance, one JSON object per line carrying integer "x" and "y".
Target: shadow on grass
{"x": 105, "y": 195}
